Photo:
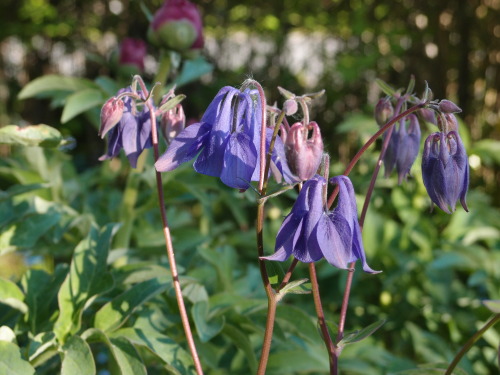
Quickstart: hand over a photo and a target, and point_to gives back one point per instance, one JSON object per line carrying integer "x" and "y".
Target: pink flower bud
{"x": 383, "y": 111}
{"x": 111, "y": 114}
{"x": 290, "y": 107}
{"x": 172, "y": 122}
{"x": 132, "y": 52}
{"x": 177, "y": 25}
{"x": 304, "y": 154}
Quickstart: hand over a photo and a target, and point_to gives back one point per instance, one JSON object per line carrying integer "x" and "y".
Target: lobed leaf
{"x": 11, "y": 362}
{"x": 32, "y": 135}
{"x": 12, "y": 295}
{"x": 77, "y": 357}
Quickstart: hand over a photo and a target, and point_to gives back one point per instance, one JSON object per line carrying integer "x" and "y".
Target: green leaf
{"x": 170, "y": 104}
{"x": 361, "y": 334}
{"x": 53, "y": 82}
{"x": 192, "y": 70}
{"x": 241, "y": 340}
{"x": 42, "y": 347}
{"x": 116, "y": 312}
{"x": 275, "y": 272}
{"x": 177, "y": 359}
{"x": 125, "y": 355}
{"x": 80, "y": 102}
{"x": 87, "y": 278}
{"x": 41, "y": 290}
{"x": 32, "y": 135}
{"x": 297, "y": 361}
{"x": 7, "y": 334}
{"x": 11, "y": 362}
{"x": 493, "y": 306}
{"x": 77, "y": 357}
{"x": 296, "y": 287}
{"x": 11, "y": 295}
{"x": 388, "y": 90}
{"x": 206, "y": 329}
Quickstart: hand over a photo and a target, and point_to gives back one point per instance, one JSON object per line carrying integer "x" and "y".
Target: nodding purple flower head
{"x": 132, "y": 132}
{"x": 311, "y": 232}
{"x": 226, "y": 141}
{"x": 304, "y": 153}
{"x": 403, "y": 147}
{"x": 445, "y": 170}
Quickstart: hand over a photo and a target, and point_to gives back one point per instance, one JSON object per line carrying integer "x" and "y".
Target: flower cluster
{"x": 127, "y": 127}
{"x": 311, "y": 232}
{"x": 226, "y": 141}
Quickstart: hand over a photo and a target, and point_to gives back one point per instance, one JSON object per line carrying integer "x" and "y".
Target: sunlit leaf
{"x": 11, "y": 295}
{"x": 80, "y": 102}
{"x": 77, "y": 357}
{"x": 361, "y": 334}
{"x": 493, "y": 306}
{"x": 53, "y": 82}
{"x": 32, "y": 135}
{"x": 11, "y": 362}
{"x": 87, "y": 278}
{"x": 114, "y": 313}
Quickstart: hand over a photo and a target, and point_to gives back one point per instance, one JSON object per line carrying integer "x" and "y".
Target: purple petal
{"x": 239, "y": 161}
{"x": 333, "y": 236}
{"x": 184, "y": 147}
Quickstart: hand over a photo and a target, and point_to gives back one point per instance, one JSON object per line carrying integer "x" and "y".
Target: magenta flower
{"x": 132, "y": 52}
{"x": 311, "y": 232}
{"x": 177, "y": 25}
{"x": 132, "y": 132}
{"x": 304, "y": 154}
{"x": 226, "y": 141}
{"x": 445, "y": 170}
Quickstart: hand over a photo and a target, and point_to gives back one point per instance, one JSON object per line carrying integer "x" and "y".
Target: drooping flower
{"x": 310, "y": 232}
{"x": 177, "y": 25}
{"x": 226, "y": 140}
{"x": 445, "y": 170}
{"x": 132, "y": 52}
{"x": 304, "y": 154}
{"x": 383, "y": 111}
{"x": 403, "y": 147}
{"x": 132, "y": 132}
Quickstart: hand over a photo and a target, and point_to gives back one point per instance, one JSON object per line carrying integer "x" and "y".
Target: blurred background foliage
{"x": 437, "y": 267}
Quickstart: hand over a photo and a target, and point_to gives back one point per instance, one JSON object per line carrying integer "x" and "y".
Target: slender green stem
{"x": 494, "y": 319}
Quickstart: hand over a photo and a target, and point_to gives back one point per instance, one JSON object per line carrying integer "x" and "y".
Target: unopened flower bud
{"x": 132, "y": 53}
{"x": 427, "y": 115}
{"x": 172, "y": 122}
{"x": 447, "y": 122}
{"x": 177, "y": 25}
{"x": 383, "y": 111}
{"x": 111, "y": 114}
{"x": 447, "y": 106}
{"x": 304, "y": 154}
{"x": 290, "y": 107}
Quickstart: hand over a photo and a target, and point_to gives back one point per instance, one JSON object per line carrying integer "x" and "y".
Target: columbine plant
{"x": 242, "y": 140}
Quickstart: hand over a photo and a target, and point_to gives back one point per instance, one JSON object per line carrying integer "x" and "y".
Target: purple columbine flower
{"x": 445, "y": 170}
{"x": 310, "y": 232}
{"x": 227, "y": 141}
{"x": 132, "y": 132}
{"x": 403, "y": 148}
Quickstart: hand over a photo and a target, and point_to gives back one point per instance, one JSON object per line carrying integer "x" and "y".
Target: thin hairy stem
{"x": 494, "y": 319}
{"x": 288, "y": 274}
{"x": 368, "y": 143}
{"x": 332, "y": 352}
